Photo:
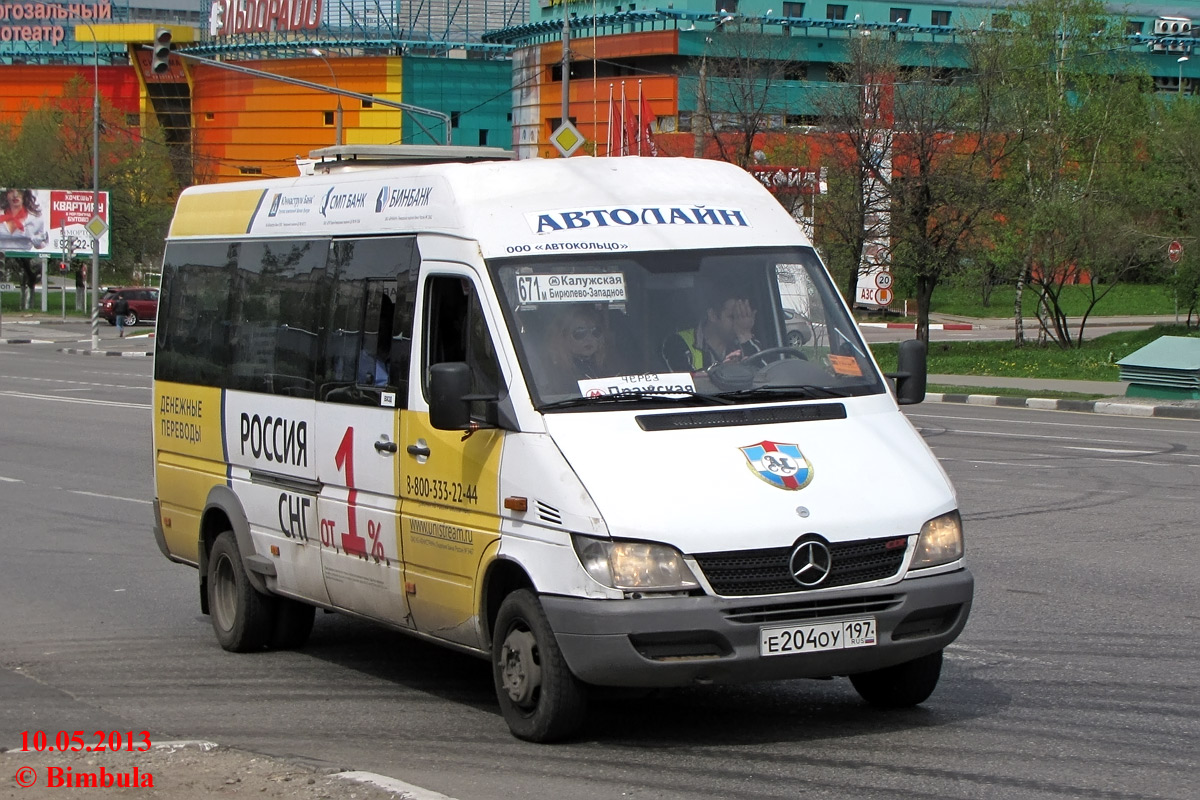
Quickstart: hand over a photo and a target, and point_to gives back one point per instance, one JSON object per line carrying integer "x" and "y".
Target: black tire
{"x": 242, "y": 617}
{"x": 112, "y": 321}
{"x": 293, "y": 624}
{"x": 901, "y": 686}
{"x": 540, "y": 698}
{"x": 131, "y": 319}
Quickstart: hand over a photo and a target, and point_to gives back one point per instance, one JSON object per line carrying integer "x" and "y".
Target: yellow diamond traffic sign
{"x": 96, "y": 226}
{"x": 566, "y": 138}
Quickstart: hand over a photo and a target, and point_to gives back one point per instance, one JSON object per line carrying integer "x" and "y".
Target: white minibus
{"x": 605, "y": 422}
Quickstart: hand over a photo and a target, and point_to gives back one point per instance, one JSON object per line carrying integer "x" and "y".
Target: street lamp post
{"x": 337, "y": 114}
{"x": 1180, "y": 61}
{"x": 95, "y": 281}
{"x": 95, "y": 191}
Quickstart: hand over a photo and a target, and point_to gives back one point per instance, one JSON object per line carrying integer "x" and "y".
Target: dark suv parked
{"x": 143, "y": 304}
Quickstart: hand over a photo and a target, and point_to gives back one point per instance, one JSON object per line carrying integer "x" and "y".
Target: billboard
{"x": 51, "y": 222}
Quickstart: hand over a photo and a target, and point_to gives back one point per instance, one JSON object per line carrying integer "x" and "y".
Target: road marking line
{"x": 11, "y": 480}
{"x": 110, "y": 496}
{"x": 28, "y": 396}
{"x": 1004, "y": 435}
{"x": 76, "y": 383}
{"x": 1027, "y": 423}
{"x": 1005, "y": 463}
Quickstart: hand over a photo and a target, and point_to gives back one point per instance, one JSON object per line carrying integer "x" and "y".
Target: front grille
{"x": 748, "y": 572}
{"x": 814, "y": 609}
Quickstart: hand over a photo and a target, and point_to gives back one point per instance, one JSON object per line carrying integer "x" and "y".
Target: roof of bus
{"x": 510, "y": 207}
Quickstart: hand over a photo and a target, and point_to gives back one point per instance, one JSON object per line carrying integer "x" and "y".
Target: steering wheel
{"x": 794, "y": 352}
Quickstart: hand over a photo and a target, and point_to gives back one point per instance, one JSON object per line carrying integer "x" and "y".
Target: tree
{"x": 858, "y": 116}
{"x": 947, "y": 157}
{"x": 738, "y": 97}
{"x": 1174, "y": 151}
{"x": 54, "y": 149}
{"x": 916, "y": 152}
{"x": 1076, "y": 106}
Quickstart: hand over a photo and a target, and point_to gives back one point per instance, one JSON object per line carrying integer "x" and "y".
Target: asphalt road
{"x": 1075, "y": 677}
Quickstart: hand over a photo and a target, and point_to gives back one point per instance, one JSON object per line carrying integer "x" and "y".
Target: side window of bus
{"x": 296, "y": 317}
{"x": 277, "y": 291}
{"x": 193, "y": 321}
{"x": 455, "y": 330}
{"x": 368, "y": 330}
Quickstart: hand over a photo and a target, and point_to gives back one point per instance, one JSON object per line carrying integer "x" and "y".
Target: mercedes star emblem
{"x": 810, "y": 563}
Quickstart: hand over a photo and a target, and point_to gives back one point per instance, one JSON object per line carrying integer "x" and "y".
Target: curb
{"x": 933, "y": 326}
{"x": 1046, "y": 404}
{"x": 79, "y": 351}
{"x": 25, "y": 341}
{"x": 400, "y": 788}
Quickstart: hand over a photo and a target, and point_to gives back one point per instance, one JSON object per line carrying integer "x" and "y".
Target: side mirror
{"x": 910, "y": 373}
{"x": 449, "y": 385}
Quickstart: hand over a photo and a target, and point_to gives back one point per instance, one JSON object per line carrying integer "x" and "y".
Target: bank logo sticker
{"x": 335, "y": 201}
{"x": 779, "y": 464}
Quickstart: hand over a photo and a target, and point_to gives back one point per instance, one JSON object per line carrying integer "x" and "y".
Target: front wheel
{"x": 540, "y": 698}
{"x": 902, "y": 685}
{"x": 242, "y": 617}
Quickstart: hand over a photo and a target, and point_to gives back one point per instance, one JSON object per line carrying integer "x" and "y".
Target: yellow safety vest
{"x": 689, "y": 338}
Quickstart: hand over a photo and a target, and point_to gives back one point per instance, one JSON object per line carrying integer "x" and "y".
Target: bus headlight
{"x": 940, "y": 542}
{"x": 634, "y": 566}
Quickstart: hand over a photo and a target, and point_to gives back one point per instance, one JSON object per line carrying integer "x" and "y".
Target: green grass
{"x": 1095, "y": 361}
{"x": 11, "y": 301}
{"x": 1123, "y": 299}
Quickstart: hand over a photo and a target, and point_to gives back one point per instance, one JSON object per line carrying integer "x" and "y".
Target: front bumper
{"x": 678, "y": 641}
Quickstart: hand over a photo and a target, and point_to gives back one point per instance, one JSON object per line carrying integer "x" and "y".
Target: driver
{"x": 726, "y": 333}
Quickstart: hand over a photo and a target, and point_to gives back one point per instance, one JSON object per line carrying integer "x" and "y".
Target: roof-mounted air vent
{"x": 347, "y": 157}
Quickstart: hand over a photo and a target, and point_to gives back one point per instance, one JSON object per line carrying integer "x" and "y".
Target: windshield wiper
{"x": 635, "y": 395}
{"x": 808, "y": 391}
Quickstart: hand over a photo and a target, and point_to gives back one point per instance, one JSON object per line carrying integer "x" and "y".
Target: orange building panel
{"x": 28, "y": 86}
{"x": 249, "y": 127}
{"x": 648, "y": 43}
{"x": 589, "y": 101}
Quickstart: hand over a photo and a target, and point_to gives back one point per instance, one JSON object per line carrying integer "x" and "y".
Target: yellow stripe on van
{"x": 189, "y": 460}
{"x": 215, "y": 213}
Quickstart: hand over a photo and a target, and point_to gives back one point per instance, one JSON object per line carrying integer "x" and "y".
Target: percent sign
{"x": 373, "y": 531}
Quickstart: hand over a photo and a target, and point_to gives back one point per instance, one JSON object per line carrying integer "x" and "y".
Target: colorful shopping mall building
{"x": 253, "y": 84}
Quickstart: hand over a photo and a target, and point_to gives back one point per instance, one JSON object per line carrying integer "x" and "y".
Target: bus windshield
{"x": 681, "y": 326}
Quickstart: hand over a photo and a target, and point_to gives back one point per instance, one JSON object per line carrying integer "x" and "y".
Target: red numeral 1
{"x": 344, "y": 459}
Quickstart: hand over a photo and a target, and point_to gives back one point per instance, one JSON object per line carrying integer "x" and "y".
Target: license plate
{"x": 792, "y": 639}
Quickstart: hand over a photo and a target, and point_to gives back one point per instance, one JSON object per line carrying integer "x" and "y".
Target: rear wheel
{"x": 242, "y": 617}
{"x": 540, "y": 698}
{"x": 901, "y": 686}
{"x": 131, "y": 319}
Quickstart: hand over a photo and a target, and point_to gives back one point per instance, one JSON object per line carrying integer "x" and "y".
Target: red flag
{"x": 645, "y": 130}
{"x": 616, "y": 133}
{"x": 631, "y": 124}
